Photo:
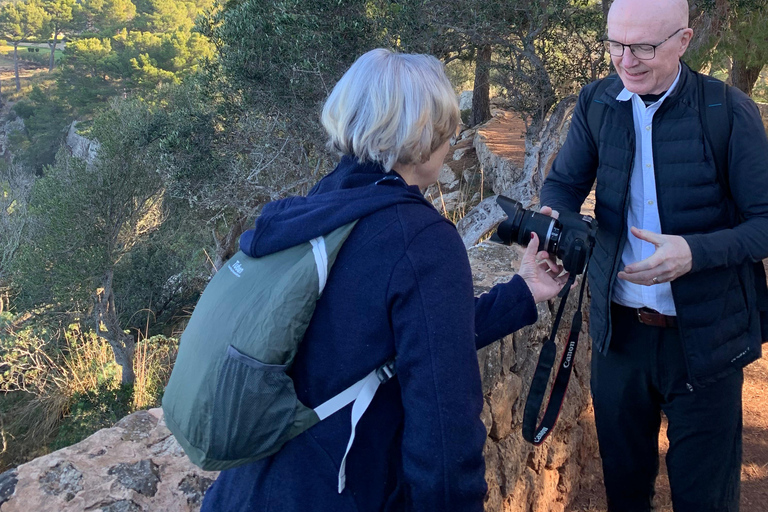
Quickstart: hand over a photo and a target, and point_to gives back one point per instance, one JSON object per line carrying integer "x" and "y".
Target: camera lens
{"x": 545, "y": 227}
{"x": 521, "y": 223}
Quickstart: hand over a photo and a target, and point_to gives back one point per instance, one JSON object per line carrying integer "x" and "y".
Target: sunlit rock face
{"x": 134, "y": 466}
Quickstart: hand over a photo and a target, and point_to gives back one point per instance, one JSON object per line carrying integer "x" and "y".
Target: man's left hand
{"x": 671, "y": 260}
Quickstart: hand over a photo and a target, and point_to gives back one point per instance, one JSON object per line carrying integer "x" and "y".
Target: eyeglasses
{"x": 642, "y": 51}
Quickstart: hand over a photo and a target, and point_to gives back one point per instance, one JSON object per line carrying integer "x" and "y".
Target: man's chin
{"x": 636, "y": 84}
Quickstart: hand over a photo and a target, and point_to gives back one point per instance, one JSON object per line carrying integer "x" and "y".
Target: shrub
{"x": 59, "y": 385}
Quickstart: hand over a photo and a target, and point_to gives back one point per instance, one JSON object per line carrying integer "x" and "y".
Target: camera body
{"x": 570, "y": 237}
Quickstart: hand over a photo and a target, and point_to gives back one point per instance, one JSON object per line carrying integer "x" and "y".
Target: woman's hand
{"x": 540, "y": 273}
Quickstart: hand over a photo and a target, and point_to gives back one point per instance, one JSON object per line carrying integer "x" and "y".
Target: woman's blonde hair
{"x": 391, "y": 108}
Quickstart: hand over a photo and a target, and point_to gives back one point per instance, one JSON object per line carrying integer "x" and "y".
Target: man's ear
{"x": 685, "y": 40}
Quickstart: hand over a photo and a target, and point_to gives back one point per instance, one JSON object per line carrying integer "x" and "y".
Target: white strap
{"x": 321, "y": 260}
{"x": 370, "y": 385}
{"x": 361, "y": 393}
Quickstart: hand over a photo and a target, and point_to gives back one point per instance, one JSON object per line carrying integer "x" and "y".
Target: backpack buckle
{"x": 386, "y": 371}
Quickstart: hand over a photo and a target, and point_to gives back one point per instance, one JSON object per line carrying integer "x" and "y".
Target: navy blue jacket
{"x": 716, "y": 302}
{"x": 401, "y": 285}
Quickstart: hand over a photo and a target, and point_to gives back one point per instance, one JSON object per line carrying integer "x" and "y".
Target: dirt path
{"x": 505, "y": 137}
{"x": 754, "y": 472}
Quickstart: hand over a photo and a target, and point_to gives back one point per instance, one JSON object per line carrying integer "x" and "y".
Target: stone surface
{"x": 480, "y": 221}
{"x": 465, "y": 100}
{"x": 81, "y": 147}
{"x": 500, "y": 150}
{"x": 763, "y": 107}
{"x": 64, "y": 480}
{"x": 141, "y": 476}
{"x": 522, "y": 477}
{"x": 8, "y": 482}
{"x": 134, "y": 466}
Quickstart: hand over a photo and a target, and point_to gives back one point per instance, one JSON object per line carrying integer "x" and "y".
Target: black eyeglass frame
{"x": 623, "y": 46}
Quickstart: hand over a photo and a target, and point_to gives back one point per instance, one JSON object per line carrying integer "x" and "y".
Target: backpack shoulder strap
{"x": 596, "y": 108}
{"x": 716, "y": 113}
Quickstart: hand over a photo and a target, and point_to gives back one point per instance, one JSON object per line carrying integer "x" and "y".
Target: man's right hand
{"x": 546, "y": 210}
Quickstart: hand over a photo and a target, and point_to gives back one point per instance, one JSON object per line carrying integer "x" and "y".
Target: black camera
{"x": 569, "y": 237}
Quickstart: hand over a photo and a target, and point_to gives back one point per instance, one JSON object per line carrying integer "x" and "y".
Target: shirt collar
{"x": 625, "y": 95}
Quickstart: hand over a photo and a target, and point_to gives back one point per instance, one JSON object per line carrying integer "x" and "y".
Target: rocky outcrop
{"x": 763, "y": 107}
{"x": 81, "y": 147}
{"x": 522, "y": 477}
{"x": 137, "y": 465}
{"x": 500, "y": 146}
{"x": 6, "y": 129}
{"x": 459, "y": 184}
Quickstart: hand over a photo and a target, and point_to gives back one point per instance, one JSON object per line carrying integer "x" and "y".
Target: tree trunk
{"x": 744, "y": 76}
{"x": 708, "y": 26}
{"x": 606, "y": 5}
{"x": 53, "y": 51}
{"x": 108, "y": 327}
{"x": 227, "y": 245}
{"x": 481, "y": 96}
{"x": 541, "y": 146}
{"x": 16, "y": 64}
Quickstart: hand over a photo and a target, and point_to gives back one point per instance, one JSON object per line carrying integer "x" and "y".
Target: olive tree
{"x": 86, "y": 216}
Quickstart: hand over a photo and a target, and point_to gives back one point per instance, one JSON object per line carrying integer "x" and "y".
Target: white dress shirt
{"x": 643, "y": 210}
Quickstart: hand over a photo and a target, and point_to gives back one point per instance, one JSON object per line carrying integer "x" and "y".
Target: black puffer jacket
{"x": 716, "y": 302}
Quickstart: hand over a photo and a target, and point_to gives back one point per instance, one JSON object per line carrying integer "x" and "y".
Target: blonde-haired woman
{"x": 401, "y": 286}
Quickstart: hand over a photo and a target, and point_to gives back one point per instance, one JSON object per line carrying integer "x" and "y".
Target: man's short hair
{"x": 391, "y": 108}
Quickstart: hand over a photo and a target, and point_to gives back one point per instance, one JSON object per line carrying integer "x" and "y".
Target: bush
{"x": 60, "y": 384}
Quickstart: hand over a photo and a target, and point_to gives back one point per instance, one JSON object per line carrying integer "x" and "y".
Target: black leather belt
{"x": 650, "y": 316}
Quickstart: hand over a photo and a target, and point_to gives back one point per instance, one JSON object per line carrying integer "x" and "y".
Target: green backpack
{"x": 229, "y": 400}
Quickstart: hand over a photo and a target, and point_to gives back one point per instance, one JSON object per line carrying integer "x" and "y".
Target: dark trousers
{"x": 643, "y": 374}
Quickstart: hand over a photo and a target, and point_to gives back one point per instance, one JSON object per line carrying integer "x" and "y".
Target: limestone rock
{"x": 480, "y": 221}
{"x": 134, "y": 466}
{"x": 520, "y": 476}
{"x": 465, "y": 100}
{"x": 81, "y": 147}
{"x": 8, "y": 482}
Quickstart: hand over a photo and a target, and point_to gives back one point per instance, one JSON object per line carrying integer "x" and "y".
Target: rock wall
{"x": 763, "y": 107}
{"x": 81, "y": 147}
{"x": 521, "y": 477}
{"x": 134, "y": 466}
{"x": 500, "y": 146}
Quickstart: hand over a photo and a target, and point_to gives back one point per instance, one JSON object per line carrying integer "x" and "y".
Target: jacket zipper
{"x": 663, "y": 230}
{"x": 620, "y": 246}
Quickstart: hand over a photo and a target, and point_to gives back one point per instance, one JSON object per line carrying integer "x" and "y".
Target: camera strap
{"x": 532, "y": 432}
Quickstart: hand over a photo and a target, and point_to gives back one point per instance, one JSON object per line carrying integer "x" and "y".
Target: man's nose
{"x": 628, "y": 60}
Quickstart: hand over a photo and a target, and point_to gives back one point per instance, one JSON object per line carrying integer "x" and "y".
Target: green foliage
{"x": 164, "y": 276}
{"x": 59, "y": 385}
{"x": 93, "y": 410}
{"x": 730, "y": 36}
{"x": 43, "y": 365}
{"x": 21, "y": 20}
{"x": 105, "y": 16}
{"x": 89, "y": 215}
{"x": 293, "y": 51}
{"x": 168, "y": 15}
{"x": 46, "y": 119}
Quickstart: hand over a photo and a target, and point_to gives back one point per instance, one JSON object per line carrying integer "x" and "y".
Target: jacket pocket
{"x": 253, "y": 405}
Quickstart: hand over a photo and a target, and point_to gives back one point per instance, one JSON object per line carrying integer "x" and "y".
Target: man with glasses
{"x": 675, "y": 296}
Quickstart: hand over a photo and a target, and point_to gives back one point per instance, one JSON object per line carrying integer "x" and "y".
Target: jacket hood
{"x": 352, "y": 191}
